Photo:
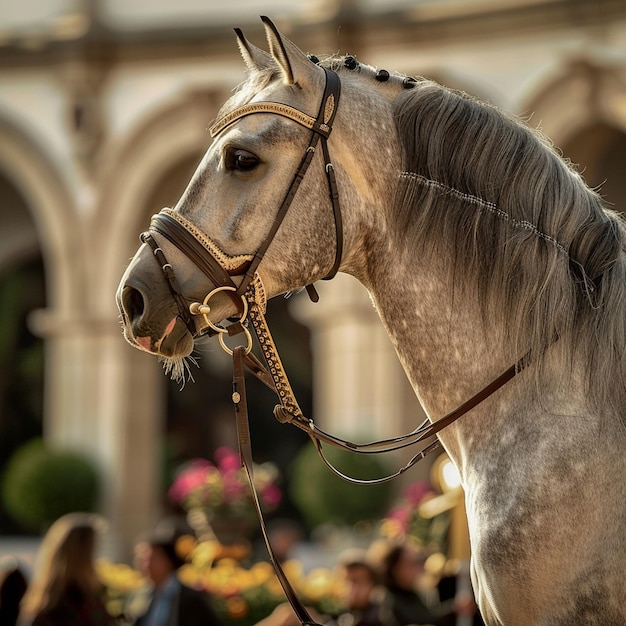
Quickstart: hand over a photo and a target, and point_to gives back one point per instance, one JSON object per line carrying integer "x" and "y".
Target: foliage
{"x": 321, "y": 496}
{"x": 40, "y": 485}
{"x": 21, "y": 363}
{"x": 222, "y": 487}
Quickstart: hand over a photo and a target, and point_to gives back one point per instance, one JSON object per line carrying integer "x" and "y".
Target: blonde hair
{"x": 65, "y": 560}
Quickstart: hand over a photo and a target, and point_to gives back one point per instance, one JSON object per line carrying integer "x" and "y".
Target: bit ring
{"x": 196, "y": 308}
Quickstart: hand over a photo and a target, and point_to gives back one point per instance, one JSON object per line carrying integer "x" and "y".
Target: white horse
{"x": 478, "y": 244}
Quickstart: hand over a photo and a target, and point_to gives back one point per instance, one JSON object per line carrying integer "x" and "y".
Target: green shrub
{"x": 40, "y": 485}
{"x": 322, "y": 496}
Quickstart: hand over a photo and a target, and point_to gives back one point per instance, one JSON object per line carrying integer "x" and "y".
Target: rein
{"x": 247, "y": 293}
{"x": 289, "y": 411}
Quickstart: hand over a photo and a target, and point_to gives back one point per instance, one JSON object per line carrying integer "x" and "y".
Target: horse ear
{"x": 254, "y": 58}
{"x": 294, "y": 64}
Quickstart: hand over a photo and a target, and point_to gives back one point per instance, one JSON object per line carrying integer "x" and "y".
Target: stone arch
{"x": 602, "y": 149}
{"x": 132, "y": 409}
{"x": 33, "y": 175}
{"x": 582, "y": 110}
{"x": 580, "y": 95}
{"x": 31, "y": 171}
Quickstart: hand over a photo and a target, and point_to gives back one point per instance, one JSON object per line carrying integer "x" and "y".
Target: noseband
{"x": 205, "y": 254}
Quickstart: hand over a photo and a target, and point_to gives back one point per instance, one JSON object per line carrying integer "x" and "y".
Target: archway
{"x": 601, "y": 147}
{"x": 581, "y": 109}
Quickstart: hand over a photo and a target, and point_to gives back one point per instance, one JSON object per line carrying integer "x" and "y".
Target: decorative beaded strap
{"x": 320, "y": 124}
{"x": 289, "y": 404}
{"x": 264, "y": 107}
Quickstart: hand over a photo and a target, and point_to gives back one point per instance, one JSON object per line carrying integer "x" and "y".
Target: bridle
{"x": 205, "y": 254}
{"x": 248, "y": 296}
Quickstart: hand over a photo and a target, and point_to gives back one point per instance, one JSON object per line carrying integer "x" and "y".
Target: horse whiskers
{"x": 178, "y": 368}
{"x": 292, "y": 292}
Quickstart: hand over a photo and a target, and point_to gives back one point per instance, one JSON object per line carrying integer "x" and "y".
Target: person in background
{"x": 13, "y": 586}
{"x": 284, "y": 534}
{"x": 65, "y": 590}
{"x": 363, "y": 607}
{"x": 359, "y": 586}
{"x": 455, "y": 581}
{"x": 171, "y": 603}
{"x": 401, "y": 565}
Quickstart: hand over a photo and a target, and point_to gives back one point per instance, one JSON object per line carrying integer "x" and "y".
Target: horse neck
{"x": 449, "y": 354}
{"x": 443, "y": 344}
{"x": 442, "y": 341}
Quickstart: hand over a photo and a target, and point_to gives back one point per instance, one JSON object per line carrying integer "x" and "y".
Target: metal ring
{"x": 226, "y": 349}
{"x": 215, "y": 327}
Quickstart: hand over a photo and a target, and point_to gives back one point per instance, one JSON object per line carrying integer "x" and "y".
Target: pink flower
{"x": 271, "y": 496}
{"x": 415, "y": 492}
{"x": 227, "y": 459}
{"x": 400, "y": 514}
{"x": 233, "y": 487}
{"x": 192, "y": 476}
{"x": 224, "y": 486}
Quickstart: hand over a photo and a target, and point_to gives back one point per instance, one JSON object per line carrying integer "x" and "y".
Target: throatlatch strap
{"x": 245, "y": 452}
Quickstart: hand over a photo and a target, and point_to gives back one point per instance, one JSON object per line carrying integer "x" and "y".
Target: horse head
{"x": 234, "y": 206}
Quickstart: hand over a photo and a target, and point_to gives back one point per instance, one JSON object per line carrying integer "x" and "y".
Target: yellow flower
{"x": 236, "y": 607}
{"x": 204, "y": 553}
{"x": 118, "y": 576}
{"x": 261, "y": 572}
{"x": 391, "y": 528}
{"x": 319, "y": 583}
{"x": 185, "y": 545}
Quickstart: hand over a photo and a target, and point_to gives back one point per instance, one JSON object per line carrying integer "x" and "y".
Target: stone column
{"x": 359, "y": 387}
{"x": 105, "y": 400}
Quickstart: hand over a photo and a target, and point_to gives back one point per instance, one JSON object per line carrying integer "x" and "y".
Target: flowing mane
{"x": 544, "y": 255}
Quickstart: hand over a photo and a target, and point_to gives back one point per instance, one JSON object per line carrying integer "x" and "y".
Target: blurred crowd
{"x": 386, "y": 584}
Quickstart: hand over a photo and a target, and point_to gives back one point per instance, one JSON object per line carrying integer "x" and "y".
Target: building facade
{"x": 104, "y": 106}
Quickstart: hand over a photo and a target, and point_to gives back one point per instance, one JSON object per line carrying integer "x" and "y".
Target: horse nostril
{"x": 133, "y": 303}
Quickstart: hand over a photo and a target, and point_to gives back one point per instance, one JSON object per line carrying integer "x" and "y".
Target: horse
{"x": 479, "y": 245}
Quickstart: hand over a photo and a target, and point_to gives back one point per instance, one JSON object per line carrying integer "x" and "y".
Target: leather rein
{"x": 249, "y": 297}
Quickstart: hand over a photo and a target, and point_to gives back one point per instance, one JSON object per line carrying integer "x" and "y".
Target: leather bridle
{"x": 205, "y": 254}
{"x": 248, "y": 296}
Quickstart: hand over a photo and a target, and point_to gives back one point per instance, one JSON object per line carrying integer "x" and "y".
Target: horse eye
{"x": 241, "y": 161}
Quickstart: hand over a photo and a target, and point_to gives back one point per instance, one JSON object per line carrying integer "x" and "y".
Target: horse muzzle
{"x": 150, "y": 321}
{"x": 157, "y": 316}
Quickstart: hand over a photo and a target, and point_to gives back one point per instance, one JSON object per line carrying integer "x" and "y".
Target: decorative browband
{"x": 266, "y": 107}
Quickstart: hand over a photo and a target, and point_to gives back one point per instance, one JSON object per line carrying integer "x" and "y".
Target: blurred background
{"x": 104, "y": 110}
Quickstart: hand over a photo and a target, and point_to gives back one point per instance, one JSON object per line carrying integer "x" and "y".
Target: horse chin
{"x": 177, "y": 343}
